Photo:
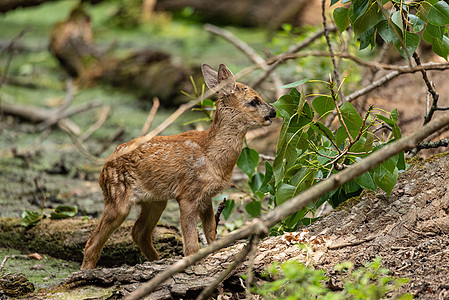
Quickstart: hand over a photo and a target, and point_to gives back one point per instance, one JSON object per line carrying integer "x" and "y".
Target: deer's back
{"x": 164, "y": 168}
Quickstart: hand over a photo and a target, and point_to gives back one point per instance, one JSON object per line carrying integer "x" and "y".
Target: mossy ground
{"x": 42, "y": 273}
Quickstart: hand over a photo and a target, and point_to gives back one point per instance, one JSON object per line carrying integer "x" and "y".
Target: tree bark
{"x": 66, "y": 239}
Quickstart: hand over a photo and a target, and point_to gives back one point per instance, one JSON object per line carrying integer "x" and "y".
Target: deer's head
{"x": 244, "y": 101}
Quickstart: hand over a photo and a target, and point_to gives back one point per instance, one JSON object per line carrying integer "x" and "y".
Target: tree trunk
{"x": 66, "y": 239}
{"x": 272, "y": 13}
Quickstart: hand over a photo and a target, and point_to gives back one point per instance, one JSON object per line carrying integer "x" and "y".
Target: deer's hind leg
{"x": 142, "y": 231}
{"x": 113, "y": 216}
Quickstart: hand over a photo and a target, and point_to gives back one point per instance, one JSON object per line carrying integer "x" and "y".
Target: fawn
{"x": 191, "y": 167}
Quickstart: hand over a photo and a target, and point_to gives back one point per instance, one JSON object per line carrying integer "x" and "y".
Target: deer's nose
{"x": 272, "y": 113}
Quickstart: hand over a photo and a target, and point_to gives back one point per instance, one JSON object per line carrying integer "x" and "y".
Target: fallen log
{"x": 147, "y": 73}
{"x": 66, "y": 239}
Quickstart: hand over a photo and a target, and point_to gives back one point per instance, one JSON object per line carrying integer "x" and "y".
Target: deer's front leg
{"x": 189, "y": 215}
{"x": 208, "y": 219}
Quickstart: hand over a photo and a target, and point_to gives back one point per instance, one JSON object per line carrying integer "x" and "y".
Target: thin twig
{"x": 430, "y": 89}
{"x": 249, "y": 51}
{"x": 433, "y": 145}
{"x": 331, "y": 52}
{"x": 56, "y": 116}
{"x": 250, "y": 275}
{"x": 68, "y": 113}
{"x": 9, "y": 48}
{"x": 80, "y": 147}
{"x": 104, "y": 113}
{"x": 277, "y": 60}
{"x": 350, "y": 244}
{"x": 111, "y": 140}
{"x": 2, "y": 265}
{"x": 151, "y": 116}
{"x": 207, "y": 292}
{"x": 260, "y": 225}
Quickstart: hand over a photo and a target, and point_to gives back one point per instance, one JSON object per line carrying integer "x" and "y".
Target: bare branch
{"x": 260, "y": 225}
{"x": 207, "y": 292}
{"x": 104, "y": 113}
{"x": 282, "y": 57}
{"x": 331, "y": 52}
{"x": 432, "y": 145}
{"x": 151, "y": 116}
{"x": 430, "y": 89}
{"x": 249, "y": 51}
{"x": 80, "y": 147}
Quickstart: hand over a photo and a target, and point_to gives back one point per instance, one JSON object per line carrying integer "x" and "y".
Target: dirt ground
{"x": 408, "y": 230}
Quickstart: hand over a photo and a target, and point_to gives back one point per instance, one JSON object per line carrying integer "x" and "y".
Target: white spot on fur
{"x": 191, "y": 144}
{"x": 199, "y": 162}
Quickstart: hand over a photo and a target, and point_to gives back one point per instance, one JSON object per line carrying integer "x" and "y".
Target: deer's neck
{"x": 225, "y": 139}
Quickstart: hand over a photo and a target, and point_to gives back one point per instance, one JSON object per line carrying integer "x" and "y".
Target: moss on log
{"x": 66, "y": 239}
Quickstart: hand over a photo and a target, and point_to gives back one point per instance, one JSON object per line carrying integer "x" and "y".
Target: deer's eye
{"x": 254, "y": 102}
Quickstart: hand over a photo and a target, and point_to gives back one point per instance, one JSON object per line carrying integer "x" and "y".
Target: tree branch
{"x": 249, "y": 51}
{"x": 331, "y": 52}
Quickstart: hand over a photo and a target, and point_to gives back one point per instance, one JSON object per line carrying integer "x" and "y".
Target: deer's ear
{"x": 210, "y": 77}
{"x": 226, "y": 80}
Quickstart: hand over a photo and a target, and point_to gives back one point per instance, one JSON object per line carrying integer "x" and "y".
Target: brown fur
{"x": 190, "y": 167}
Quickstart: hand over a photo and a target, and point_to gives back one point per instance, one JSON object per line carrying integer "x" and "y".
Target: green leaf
{"x": 63, "y": 212}
{"x": 248, "y": 161}
{"x": 30, "y": 218}
{"x": 267, "y": 178}
{"x": 229, "y": 206}
{"x": 394, "y": 115}
{"x": 291, "y": 223}
{"x": 253, "y": 208}
{"x": 368, "y": 20}
{"x": 385, "y": 31}
{"x": 334, "y": 1}
{"x": 285, "y": 106}
{"x": 440, "y": 47}
{"x": 396, "y": 18}
{"x": 439, "y": 14}
{"x": 321, "y": 129}
{"x": 366, "y": 181}
{"x": 323, "y": 104}
{"x": 417, "y": 23}
{"x": 358, "y": 8}
{"x": 351, "y": 118}
{"x": 341, "y": 17}
{"x": 351, "y": 187}
{"x": 435, "y": 31}
{"x": 284, "y": 192}
{"x": 365, "y": 143}
{"x": 411, "y": 41}
{"x": 368, "y": 38}
{"x": 295, "y": 84}
{"x": 384, "y": 179}
{"x": 256, "y": 182}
